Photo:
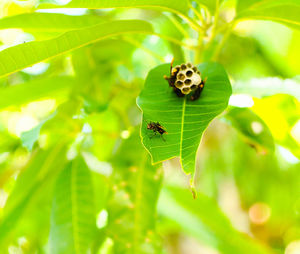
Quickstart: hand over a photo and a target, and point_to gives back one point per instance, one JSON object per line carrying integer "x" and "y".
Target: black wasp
{"x": 156, "y": 128}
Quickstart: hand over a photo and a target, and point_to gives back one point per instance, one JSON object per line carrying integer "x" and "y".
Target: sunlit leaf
{"x": 21, "y": 56}
{"x": 184, "y": 120}
{"x": 252, "y": 128}
{"x": 73, "y": 216}
{"x": 282, "y": 11}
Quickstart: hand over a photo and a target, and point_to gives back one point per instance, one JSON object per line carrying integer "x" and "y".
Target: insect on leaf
{"x": 184, "y": 120}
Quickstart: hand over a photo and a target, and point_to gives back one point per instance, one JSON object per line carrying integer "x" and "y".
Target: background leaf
{"x": 21, "y": 56}
{"x": 252, "y": 128}
{"x": 184, "y": 120}
{"x": 73, "y": 215}
{"x": 285, "y": 12}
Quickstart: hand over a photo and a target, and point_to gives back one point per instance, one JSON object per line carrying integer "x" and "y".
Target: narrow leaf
{"x": 21, "y": 56}
{"x": 73, "y": 218}
{"x": 184, "y": 120}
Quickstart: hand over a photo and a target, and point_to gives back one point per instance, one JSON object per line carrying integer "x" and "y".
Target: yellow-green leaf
{"x": 21, "y": 56}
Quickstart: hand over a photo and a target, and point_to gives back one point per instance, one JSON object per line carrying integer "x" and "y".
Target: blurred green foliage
{"x": 76, "y": 172}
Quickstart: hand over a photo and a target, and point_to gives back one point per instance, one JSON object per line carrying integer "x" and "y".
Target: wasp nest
{"x": 187, "y": 77}
{"x": 184, "y": 79}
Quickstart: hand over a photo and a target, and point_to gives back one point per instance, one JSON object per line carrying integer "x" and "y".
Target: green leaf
{"x": 21, "y": 56}
{"x": 132, "y": 207}
{"x": 35, "y": 90}
{"x": 177, "y": 6}
{"x": 48, "y": 22}
{"x": 202, "y": 218}
{"x": 282, "y": 11}
{"x": 184, "y": 120}
{"x": 73, "y": 218}
{"x": 252, "y": 127}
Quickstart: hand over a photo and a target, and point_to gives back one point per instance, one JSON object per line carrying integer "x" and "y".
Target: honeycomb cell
{"x": 187, "y": 82}
{"x": 186, "y": 90}
{"x": 183, "y": 67}
{"x": 189, "y": 73}
{"x": 180, "y": 76}
{"x": 179, "y": 84}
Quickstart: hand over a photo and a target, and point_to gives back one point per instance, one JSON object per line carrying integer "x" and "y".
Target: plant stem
{"x": 178, "y": 25}
{"x": 224, "y": 39}
{"x": 138, "y": 44}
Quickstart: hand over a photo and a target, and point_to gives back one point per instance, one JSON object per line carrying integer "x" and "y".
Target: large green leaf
{"x": 282, "y": 11}
{"x": 35, "y": 90}
{"x": 177, "y": 6}
{"x": 21, "y": 56}
{"x": 252, "y": 127}
{"x": 73, "y": 218}
{"x": 48, "y": 22}
{"x": 184, "y": 120}
{"x": 203, "y": 219}
{"x": 132, "y": 207}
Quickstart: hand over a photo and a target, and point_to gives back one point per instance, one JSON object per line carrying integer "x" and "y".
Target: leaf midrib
{"x": 181, "y": 130}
